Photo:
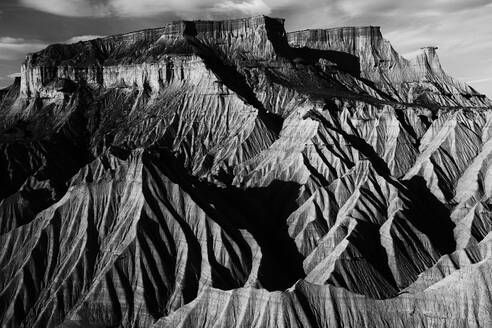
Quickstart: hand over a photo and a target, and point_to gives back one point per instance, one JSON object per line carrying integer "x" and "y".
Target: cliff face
{"x": 208, "y": 174}
{"x": 126, "y": 58}
{"x": 420, "y": 79}
{"x": 365, "y": 42}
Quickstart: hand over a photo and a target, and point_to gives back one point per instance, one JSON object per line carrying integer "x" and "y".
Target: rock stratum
{"x": 230, "y": 174}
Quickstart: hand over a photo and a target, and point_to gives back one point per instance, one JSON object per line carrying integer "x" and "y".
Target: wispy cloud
{"x": 132, "y": 8}
{"x": 487, "y": 79}
{"x": 72, "y": 8}
{"x": 80, "y": 38}
{"x": 245, "y": 7}
{"x": 8, "y": 79}
{"x": 411, "y": 9}
{"x": 13, "y": 48}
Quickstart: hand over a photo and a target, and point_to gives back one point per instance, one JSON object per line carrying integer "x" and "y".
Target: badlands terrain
{"x": 231, "y": 174}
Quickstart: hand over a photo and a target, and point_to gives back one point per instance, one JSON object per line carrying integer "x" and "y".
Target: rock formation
{"x": 419, "y": 80}
{"x": 230, "y": 174}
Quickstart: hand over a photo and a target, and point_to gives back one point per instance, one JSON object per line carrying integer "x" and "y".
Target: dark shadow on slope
{"x": 194, "y": 259}
{"x": 44, "y": 154}
{"x": 356, "y": 142}
{"x": 402, "y": 119}
{"x": 363, "y": 238}
{"x": 234, "y": 80}
{"x": 276, "y": 33}
{"x": 425, "y": 211}
{"x": 428, "y": 214}
{"x": 260, "y": 211}
{"x": 380, "y": 92}
{"x": 431, "y": 216}
{"x": 345, "y": 62}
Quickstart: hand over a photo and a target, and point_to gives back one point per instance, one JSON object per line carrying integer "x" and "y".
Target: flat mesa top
{"x": 178, "y": 26}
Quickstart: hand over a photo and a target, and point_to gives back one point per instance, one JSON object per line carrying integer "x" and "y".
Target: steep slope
{"x": 206, "y": 173}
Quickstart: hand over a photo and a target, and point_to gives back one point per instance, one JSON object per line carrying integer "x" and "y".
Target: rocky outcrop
{"x": 365, "y": 42}
{"x": 208, "y": 174}
{"x": 427, "y": 63}
{"x": 415, "y": 80}
{"x": 125, "y": 59}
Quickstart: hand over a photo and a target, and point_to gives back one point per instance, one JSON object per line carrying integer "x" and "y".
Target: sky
{"x": 462, "y": 29}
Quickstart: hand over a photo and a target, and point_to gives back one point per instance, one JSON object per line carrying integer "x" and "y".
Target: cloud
{"x": 11, "y": 40}
{"x": 487, "y": 79}
{"x": 205, "y": 8}
{"x": 80, "y": 38}
{"x": 72, "y": 8}
{"x": 15, "y": 48}
{"x": 142, "y": 8}
{"x": 8, "y": 79}
{"x": 253, "y": 7}
{"x": 411, "y": 9}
